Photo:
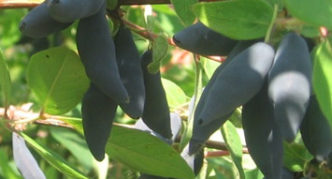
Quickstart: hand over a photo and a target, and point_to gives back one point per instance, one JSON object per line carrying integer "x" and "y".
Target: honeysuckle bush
{"x": 41, "y": 133}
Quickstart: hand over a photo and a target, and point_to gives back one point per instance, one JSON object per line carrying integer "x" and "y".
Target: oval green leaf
{"x": 318, "y": 12}
{"x": 53, "y": 158}
{"x": 146, "y": 153}
{"x": 5, "y": 83}
{"x": 237, "y": 19}
{"x": 159, "y": 52}
{"x": 57, "y": 77}
{"x": 209, "y": 66}
{"x": 295, "y": 156}
{"x": 184, "y": 11}
{"x": 174, "y": 94}
{"x": 223, "y": 167}
{"x": 322, "y": 78}
{"x": 143, "y": 152}
{"x": 234, "y": 145}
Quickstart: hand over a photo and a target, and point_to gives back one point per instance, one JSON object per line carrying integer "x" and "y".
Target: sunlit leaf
{"x": 146, "y": 153}
{"x": 183, "y": 9}
{"x": 58, "y": 79}
{"x": 223, "y": 167}
{"x": 236, "y": 19}
{"x": 209, "y": 66}
{"x": 174, "y": 94}
{"x": 159, "y": 52}
{"x": 234, "y": 145}
{"x": 318, "y": 12}
{"x": 143, "y": 152}
{"x": 322, "y": 78}
{"x": 295, "y": 156}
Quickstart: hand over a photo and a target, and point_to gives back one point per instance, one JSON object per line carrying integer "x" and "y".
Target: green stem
{"x": 197, "y": 91}
{"x": 269, "y": 30}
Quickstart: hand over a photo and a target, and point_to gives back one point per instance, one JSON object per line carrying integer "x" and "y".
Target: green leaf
{"x": 159, "y": 52}
{"x": 209, "y": 66}
{"x": 174, "y": 94}
{"x": 6, "y": 169}
{"x": 223, "y": 167}
{"x": 75, "y": 144}
{"x": 151, "y": 22}
{"x": 250, "y": 169}
{"x": 10, "y": 33}
{"x": 237, "y": 19}
{"x": 295, "y": 156}
{"x": 234, "y": 145}
{"x": 143, "y": 152}
{"x": 57, "y": 78}
{"x": 318, "y": 12}
{"x": 5, "y": 83}
{"x": 168, "y": 20}
{"x": 310, "y": 31}
{"x": 146, "y": 153}
{"x": 254, "y": 174}
{"x": 183, "y": 9}
{"x": 236, "y": 118}
{"x": 135, "y": 15}
{"x": 322, "y": 78}
{"x": 76, "y": 123}
{"x": 53, "y": 158}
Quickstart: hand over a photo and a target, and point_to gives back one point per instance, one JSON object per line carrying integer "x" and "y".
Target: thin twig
{"x": 5, "y": 4}
{"x": 149, "y": 35}
{"x": 9, "y": 4}
{"x": 141, "y": 31}
{"x": 142, "y": 2}
{"x": 50, "y": 120}
{"x": 53, "y": 122}
{"x": 14, "y": 4}
{"x": 216, "y": 145}
{"x": 219, "y": 153}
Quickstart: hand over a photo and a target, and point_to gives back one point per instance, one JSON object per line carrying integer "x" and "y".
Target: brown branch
{"x": 149, "y": 35}
{"x": 141, "y": 30}
{"x": 21, "y": 114}
{"x": 11, "y": 4}
{"x": 7, "y": 4}
{"x": 53, "y": 122}
{"x": 219, "y": 153}
{"x": 221, "y": 146}
{"x": 142, "y": 2}
{"x": 138, "y": 29}
{"x": 216, "y": 145}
